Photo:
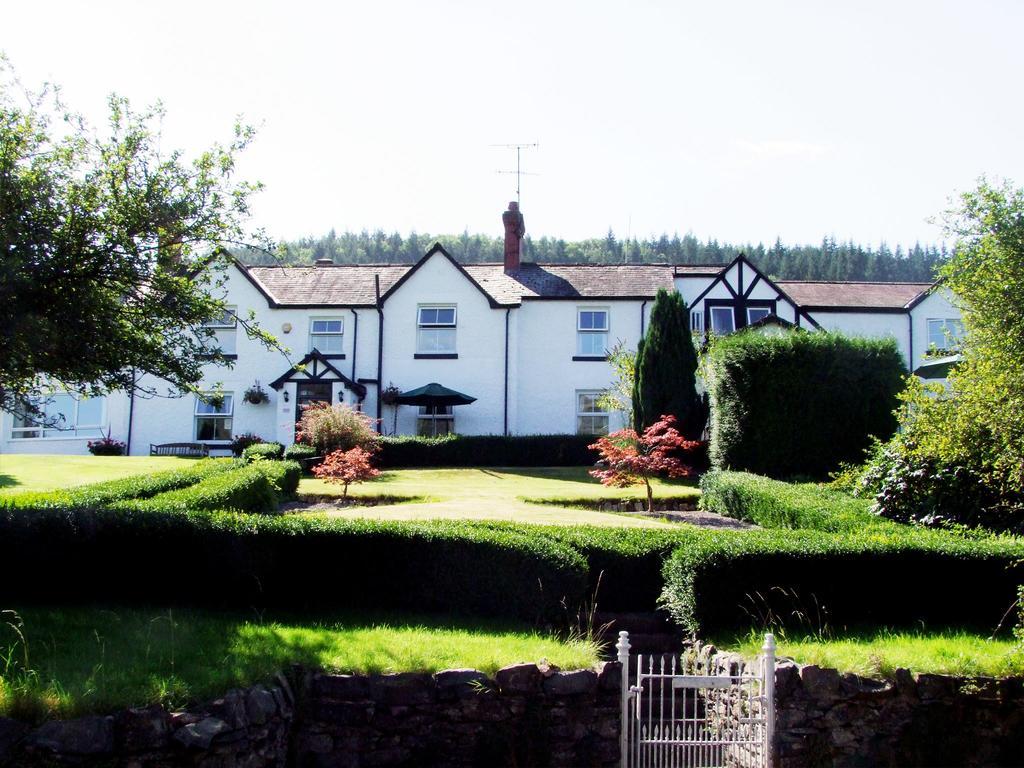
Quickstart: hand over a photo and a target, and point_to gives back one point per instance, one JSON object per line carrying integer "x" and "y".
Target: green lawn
{"x": 495, "y": 494}
{"x": 45, "y": 472}
{"x": 83, "y": 660}
{"x": 879, "y": 652}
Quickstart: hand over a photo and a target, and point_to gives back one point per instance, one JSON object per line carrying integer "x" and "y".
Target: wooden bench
{"x": 188, "y": 450}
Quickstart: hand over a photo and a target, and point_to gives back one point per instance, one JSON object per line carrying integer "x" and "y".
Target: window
{"x": 591, "y": 418}
{"x": 945, "y": 333}
{"x": 432, "y": 421}
{"x": 62, "y": 415}
{"x": 326, "y": 335}
{"x": 697, "y": 322}
{"x": 435, "y": 330}
{"x": 224, "y": 330}
{"x": 757, "y": 313}
{"x": 592, "y": 333}
{"x": 722, "y": 320}
{"x": 213, "y": 419}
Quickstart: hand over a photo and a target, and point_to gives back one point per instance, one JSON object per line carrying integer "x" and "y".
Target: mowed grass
{"x": 523, "y": 495}
{"x": 68, "y": 661}
{"x": 46, "y": 472}
{"x": 880, "y": 652}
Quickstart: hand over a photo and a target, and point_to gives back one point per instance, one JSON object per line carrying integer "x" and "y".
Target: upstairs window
{"x": 224, "y": 329}
{"x": 757, "y": 313}
{"x": 62, "y": 415}
{"x": 945, "y": 334}
{"x": 592, "y": 332}
{"x": 722, "y": 320}
{"x": 435, "y": 330}
{"x": 326, "y": 335}
{"x": 213, "y": 419}
{"x": 591, "y": 418}
{"x": 697, "y": 322}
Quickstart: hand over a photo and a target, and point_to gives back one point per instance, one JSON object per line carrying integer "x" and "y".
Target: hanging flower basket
{"x": 255, "y": 395}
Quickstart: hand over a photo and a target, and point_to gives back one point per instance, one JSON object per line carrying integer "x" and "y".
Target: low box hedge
{"x": 775, "y": 504}
{"x": 252, "y": 488}
{"x": 813, "y": 580}
{"x": 272, "y": 451}
{"x": 487, "y": 451}
{"x": 246, "y": 561}
{"x": 133, "y": 487}
{"x": 283, "y": 475}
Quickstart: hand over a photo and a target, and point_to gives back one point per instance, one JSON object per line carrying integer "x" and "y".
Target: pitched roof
{"x": 572, "y": 281}
{"x": 341, "y": 284}
{"x": 810, "y": 294}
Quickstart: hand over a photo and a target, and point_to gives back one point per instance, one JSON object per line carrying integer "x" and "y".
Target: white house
{"x": 528, "y": 341}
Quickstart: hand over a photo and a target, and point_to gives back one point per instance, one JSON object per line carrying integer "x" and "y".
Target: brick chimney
{"x": 514, "y": 231}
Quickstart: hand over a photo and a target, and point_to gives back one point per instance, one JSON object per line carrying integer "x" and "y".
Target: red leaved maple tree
{"x": 346, "y": 467}
{"x": 631, "y": 459}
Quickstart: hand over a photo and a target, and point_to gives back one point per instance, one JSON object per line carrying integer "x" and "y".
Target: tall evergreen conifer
{"x": 666, "y": 369}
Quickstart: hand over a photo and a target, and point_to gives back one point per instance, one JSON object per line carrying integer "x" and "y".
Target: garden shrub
{"x": 329, "y": 428}
{"x": 271, "y": 451}
{"x": 245, "y": 489}
{"x": 133, "y": 487}
{"x": 487, "y": 451}
{"x": 243, "y": 441}
{"x": 300, "y": 452}
{"x": 288, "y": 562}
{"x": 775, "y": 504}
{"x": 799, "y": 404}
{"x": 283, "y": 475}
{"x": 818, "y": 581}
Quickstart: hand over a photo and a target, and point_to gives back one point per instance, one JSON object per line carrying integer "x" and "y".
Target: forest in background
{"x": 830, "y": 260}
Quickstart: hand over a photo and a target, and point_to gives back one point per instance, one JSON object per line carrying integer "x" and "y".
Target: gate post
{"x": 623, "y": 648}
{"x": 768, "y": 690}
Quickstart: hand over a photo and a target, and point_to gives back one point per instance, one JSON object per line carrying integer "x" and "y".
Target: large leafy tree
{"x": 666, "y": 369}
{"x": 112, "y": 250}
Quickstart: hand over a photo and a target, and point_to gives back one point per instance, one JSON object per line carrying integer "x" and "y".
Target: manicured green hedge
{"x": 299, "y": 452}
{"x": 799, "y": 404}
{"x": 299, "y": 563}
{"x": 263, "y": 451}
{"x": 487, "y": 451}
{"x": 245, "y": 489}
{"x": 774, "y": 504}
{"x": 813, "y": 580}
{"x": 133, "y": 487}
{"x": 283, "y": 475}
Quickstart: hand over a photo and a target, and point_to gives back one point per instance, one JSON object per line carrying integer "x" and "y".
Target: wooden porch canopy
{"x": 314, "y": 367}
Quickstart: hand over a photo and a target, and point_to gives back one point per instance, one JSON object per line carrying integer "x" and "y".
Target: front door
{"x": 311, "y": 392}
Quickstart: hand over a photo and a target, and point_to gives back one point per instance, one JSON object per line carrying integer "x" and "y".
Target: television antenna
{"x": 519, "y": 172}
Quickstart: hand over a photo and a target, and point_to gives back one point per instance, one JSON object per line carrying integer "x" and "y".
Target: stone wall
{"x": 824, "y": 718}
{"x": 525, "y": 715}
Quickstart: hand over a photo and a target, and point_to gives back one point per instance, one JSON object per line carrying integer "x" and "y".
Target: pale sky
{"x": 742, "y": 121}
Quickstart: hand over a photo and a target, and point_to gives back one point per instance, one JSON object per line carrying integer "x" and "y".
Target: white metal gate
{"x": 696, "y": 721}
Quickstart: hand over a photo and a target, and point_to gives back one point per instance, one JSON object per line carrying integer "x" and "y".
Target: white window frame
{"x": 432, "y": 416}
{"x": 767, "y": 311}
{"x": 65, "y": 432}
{"x": 697, "y": 321}
{"x": 225, "y": 332}
{"x": 589, "y": 333}
{"x": 732, "y": 319}
{"x": 597, "y": 413}
{"x": 423, "y": 328}
{"x": 340, "y": 335}
{"x": 225, "y": 415}
{"x": 950, "y": 341}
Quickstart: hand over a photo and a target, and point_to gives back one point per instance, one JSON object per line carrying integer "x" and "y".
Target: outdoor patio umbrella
{"x": 433, "y": 396}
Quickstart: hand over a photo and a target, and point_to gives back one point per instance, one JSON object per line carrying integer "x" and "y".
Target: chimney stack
{"x": 515, "y": 228}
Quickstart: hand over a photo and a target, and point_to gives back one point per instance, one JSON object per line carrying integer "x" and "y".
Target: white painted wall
{"x": 938, "y": 305}
{"x": 869, "y": 324}
{"x": 480, "y": 344}
{"x": 548, "y": 376}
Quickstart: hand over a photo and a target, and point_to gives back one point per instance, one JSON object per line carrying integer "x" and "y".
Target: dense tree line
{"x": 830, "y": 260}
